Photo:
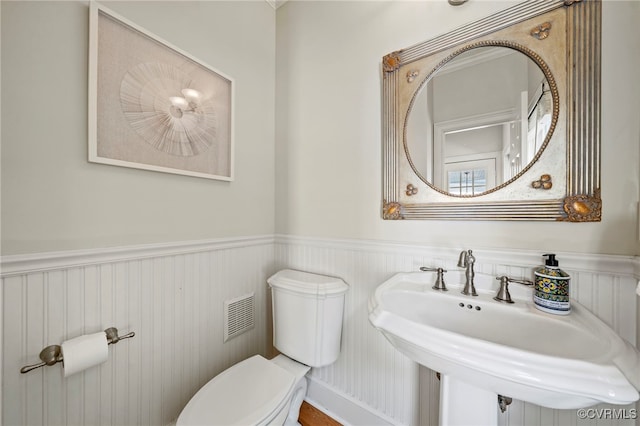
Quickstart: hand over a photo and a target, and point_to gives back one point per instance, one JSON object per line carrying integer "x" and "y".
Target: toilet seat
{"x": 251, "y": 392}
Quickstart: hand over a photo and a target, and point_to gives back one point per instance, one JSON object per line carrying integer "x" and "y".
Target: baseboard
{"x": 344, "y": 408}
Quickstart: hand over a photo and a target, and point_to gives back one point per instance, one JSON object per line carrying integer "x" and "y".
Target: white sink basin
{"x": 514, "y": 350}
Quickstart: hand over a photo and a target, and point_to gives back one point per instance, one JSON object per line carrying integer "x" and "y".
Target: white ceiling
{"x": 276, "y": 3}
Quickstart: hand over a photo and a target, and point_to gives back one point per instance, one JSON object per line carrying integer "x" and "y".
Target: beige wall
{"x": 53, "y": 199}
{"x": 328, "y": 143}
{"x": 327, "y": 151}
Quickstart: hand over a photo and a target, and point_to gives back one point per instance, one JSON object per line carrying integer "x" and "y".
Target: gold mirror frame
{"x": 577, "y": 135}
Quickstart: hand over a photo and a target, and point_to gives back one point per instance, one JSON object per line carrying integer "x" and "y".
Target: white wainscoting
{"x": 371, "y": 375}
{"x": 172, "y": 296}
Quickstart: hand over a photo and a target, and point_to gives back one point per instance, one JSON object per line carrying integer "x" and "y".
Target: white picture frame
{"x": 153, "y": 106}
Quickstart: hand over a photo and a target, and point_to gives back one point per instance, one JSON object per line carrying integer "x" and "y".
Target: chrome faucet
{"x": 503, "y": 294}
{"x": 466, "y": 261}
{"x": 439, "y": 285}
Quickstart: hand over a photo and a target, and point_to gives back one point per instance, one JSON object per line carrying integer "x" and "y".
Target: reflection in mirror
{"x": 479, "y": 120}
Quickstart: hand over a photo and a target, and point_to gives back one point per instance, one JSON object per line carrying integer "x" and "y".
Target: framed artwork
{"x": 153, "y": 106}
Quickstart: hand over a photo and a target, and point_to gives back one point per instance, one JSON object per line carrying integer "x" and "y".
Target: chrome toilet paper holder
{"x": 52, "y": 354}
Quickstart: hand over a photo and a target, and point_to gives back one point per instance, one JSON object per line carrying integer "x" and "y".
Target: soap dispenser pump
{"x": 551, "y": 291}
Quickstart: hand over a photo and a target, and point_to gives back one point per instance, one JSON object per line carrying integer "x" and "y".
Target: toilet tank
{"x": 307, "y": 316}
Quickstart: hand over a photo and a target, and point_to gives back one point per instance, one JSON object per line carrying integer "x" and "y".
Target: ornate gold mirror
{"x": 498, "y": 120}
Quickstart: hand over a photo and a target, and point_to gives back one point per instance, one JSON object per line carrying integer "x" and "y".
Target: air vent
{"x": 239, "y": 315}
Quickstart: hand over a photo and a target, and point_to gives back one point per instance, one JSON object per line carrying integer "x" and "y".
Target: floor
{"x": 311, "y": 416}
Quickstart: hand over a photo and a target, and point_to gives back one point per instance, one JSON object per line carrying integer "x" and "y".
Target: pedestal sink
{"x": 484, "y": 348}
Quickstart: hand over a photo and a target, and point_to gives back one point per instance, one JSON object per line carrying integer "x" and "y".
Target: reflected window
{"x": 539, "y": 120}
{"x": 471, "y": 177}
{"x": 467, "y": 182}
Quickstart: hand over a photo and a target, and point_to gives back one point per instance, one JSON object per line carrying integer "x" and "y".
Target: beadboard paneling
{"x": 172, "y": 296}
{"x": 371, "y": 372}
{"x": 172, "y": 299}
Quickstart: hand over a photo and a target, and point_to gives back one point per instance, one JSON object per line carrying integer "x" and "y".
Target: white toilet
{"x": 307, "y": 327}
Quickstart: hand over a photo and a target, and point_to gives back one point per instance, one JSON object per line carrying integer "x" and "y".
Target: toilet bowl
{"x": 307, "y": 328}
{"x": 255, "y": 391}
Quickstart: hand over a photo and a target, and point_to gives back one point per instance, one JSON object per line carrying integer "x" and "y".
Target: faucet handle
{"x": 427, "y": 269}
{"x": 439, "y": 285}
{"x": 503, "y": 294}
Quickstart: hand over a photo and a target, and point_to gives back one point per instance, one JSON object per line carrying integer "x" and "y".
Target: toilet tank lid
{"x": 307, "y": 283}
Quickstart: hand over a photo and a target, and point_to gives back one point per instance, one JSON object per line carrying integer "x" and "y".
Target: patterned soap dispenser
{"x": 551, "y": 291}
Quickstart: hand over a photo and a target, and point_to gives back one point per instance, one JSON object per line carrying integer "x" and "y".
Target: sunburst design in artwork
{"x": 164, "y": 107}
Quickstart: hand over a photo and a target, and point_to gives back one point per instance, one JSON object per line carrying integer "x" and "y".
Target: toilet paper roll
{"x": 84, "y": 352}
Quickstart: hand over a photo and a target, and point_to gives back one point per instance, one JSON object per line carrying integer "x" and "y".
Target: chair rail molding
{"x": 39, "y": 262}
{"x": 622, "y": 265}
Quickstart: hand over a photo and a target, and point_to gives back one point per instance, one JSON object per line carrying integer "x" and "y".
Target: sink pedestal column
{"x": 462, "y": 404}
